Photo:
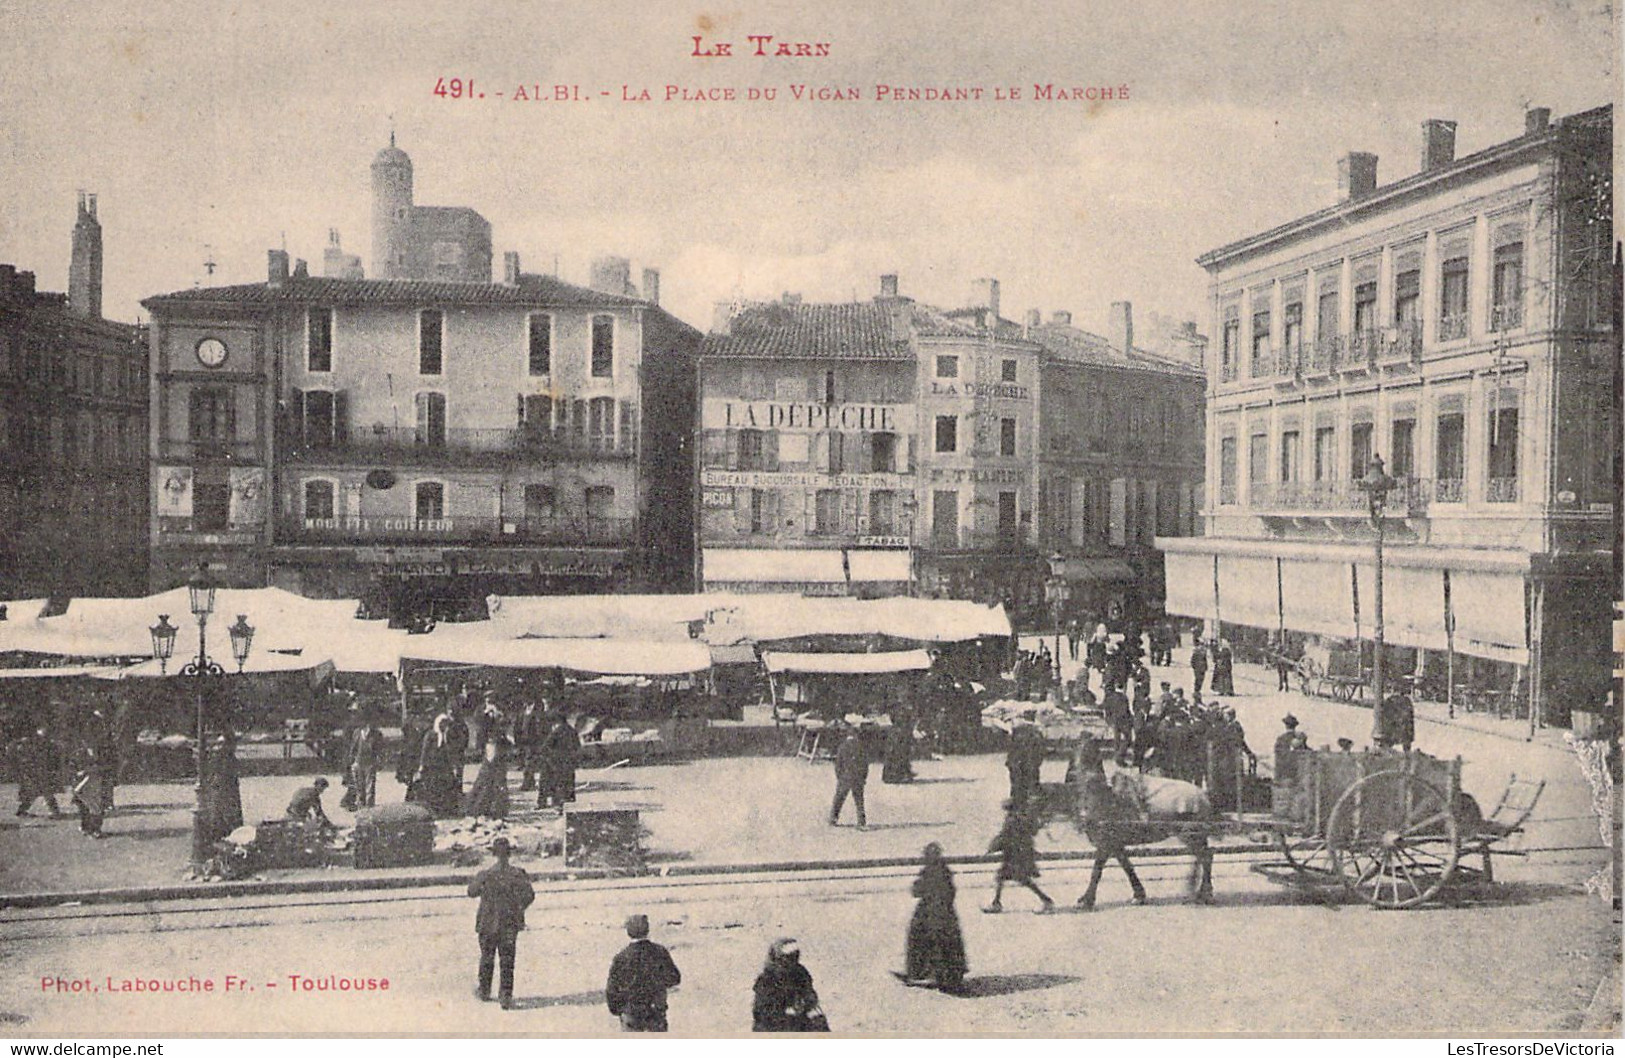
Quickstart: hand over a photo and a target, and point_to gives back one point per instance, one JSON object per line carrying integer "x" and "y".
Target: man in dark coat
{"x": 39, "y": 772}
{"x": 784, "y": 999}
{"x": 1224, "y": 670}
{"x": 1019, "y": 858}
{"x": 529, "y": 733}
{"x": 851, "y": 773}
{"x": 104, "y": 740}
{"x": 366, "y": 754}
{"x": 504, "y": 892}
{"x": 1396, "y": 722}
{"x": 1288, "y": 745}
{"x": 639, "y": 978}
{"x": 1198, "y": 668}
{"x": 306, "y": 805}
{"x": 1024, "y": 761}
{"x": 556, "y": 777}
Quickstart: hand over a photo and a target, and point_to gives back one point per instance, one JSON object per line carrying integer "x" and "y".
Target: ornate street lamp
{"x": 163, "y": 642}
{"x": 1057, "y": 593}
{"x": 242, "y": 637}
{"x": 1376, "y": 485}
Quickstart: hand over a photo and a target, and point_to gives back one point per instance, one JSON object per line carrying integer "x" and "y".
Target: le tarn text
{"x": 761, "y": 44}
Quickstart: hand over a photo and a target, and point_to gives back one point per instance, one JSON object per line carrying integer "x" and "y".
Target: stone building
{"x": 1461, "y": 322}
{"x": 449, "y": 243}
{"x": 73, "y": 426}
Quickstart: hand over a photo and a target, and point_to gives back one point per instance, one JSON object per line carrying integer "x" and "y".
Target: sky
{"x": 220, "y": 130}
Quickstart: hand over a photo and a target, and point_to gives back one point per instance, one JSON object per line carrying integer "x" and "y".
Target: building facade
{"x": 73, "y": 423}
{"x": 421, "y": 444}
{"x": 1460, "y": 322}
{"x": 410, "y": 241}
{"x": 1119, "y": 462}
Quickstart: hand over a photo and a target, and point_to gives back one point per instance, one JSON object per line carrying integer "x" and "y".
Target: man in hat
{"x": 1198, "y": 667}
{"x": 306, "y": 805}
{"x": 39, "y": 772}
{"x": 504, "y": 892}
{"x": 639, "y": 977}
{"x": 1288, "y": 744}
{"x": 851, "y": 773}
{"x": 366, "y": 753}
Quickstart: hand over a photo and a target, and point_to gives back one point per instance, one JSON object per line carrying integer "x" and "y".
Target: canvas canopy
{"x": 605, "y": 657}
{"x": 847, "y": 664}
{"x": 257, "y": 663}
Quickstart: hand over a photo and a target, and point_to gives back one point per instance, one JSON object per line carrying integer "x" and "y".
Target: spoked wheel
{"x": 1393, "y": 839}
{"x": 1308, "y": 856}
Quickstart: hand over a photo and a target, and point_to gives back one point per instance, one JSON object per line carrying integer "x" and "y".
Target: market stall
{"x": 859, "y": 690}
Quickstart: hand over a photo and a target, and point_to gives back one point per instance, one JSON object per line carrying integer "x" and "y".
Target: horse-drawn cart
{"x": 1332, "y": 673}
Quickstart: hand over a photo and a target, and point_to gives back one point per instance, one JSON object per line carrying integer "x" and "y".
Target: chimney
{"x": 651, "y": 285}
{"x": 1060, "y": 318}
{"x": 1122, "y": 327}
{"x": 1536, "y": 119}
{"x": 1438, "y": 144}
{"x": 902, "y": 318}
{"x": 25, "y": 284}
{"x": 611, "y": 275}
{"x": 888, "y": 285}
{"x": 985, "y": 295}
{"x": 510, "y": 268}
{"x": 1035, "y": 320}
{"x": 276, "y": 267}
{"x": 300, "y": 269}
{"x": 85, "y": 268}
{"x": 722, "y": 318}
{"x": 1356, "y": 175}
{"x": 1188, "y": 329}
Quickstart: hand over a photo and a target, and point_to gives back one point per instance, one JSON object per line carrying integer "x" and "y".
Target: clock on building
{"x": 211, "y": 352}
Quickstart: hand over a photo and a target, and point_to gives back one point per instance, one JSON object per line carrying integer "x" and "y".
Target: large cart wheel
{"x": 1393, "y": 839}
{"x": 1309, "y": 856}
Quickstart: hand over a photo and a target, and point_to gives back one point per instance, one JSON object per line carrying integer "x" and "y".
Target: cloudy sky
{"x": 241, "y": 126}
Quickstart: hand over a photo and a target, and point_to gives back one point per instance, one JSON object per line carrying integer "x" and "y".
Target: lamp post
{"x": 201, "y": 598}
{"x": 1376, "y": 485}
{"x": 1057, "y": 592}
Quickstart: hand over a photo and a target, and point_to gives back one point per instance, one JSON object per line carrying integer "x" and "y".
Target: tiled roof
{"x": 848, "y": 331}
{"x": 968, "y": 321}
{"x": 1084, "y": 347}
{"x": 533, "y": 290}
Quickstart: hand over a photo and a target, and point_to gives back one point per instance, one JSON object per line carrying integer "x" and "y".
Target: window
{"x": 431, "y": 429}
{"x": 600, "y": 502}
{"x": 1326, "y": 321}
{"x": 538, "y": 502}
{"x": 947, "y": 433}
{"x": 324, "y": 418}
{"x": 1402, "y": 448}
{"x": 1261, "y": 341}
{"x": 319, "y": 340}
{"x": 882, "y": 512}
{"x": 827, "y": 512}
{"x": 318, "y": 501}
{"x": 1227, "y": 470}
{"x": 1229, "y": 346}
{"x": 1359, "y": 449}
{"x": 541, "y": 344}
{"x": 601, "y": 422}
{"x": 1365, "y": 307}
{"x": 1449, "y": 459}
{"x": 430, "y": 497}
{"x": 947, "y": 367}
{"x": 1258, "y": 459}
{"x": 945, "y": 518}
{"x": 1407, "y": 297}
{"x": 1507, "y": 309}
{"x": 431, "y": 341}
{"x": 603, "y": 347}
{"x": 751, "y": 455}
{"x": 764, "y": 505}
{"x": 1453, "y": 299}
{"x": 1325, "y": 453}
{"x": 1291, "y": 456}
{"x": 448, "y": 258}
{"x": 211, "y": 507}
{"x": 1007, "y": 519}
{"x": 829, "y": 387}
{"x": 883, "y": 453}
{"x": 1007, "y": 437}
{"x": 1502, "y": 486}
{"x": 1007, "y": 371}
{"x": 1292, "y": 334}
{"x": 212, "y": 415}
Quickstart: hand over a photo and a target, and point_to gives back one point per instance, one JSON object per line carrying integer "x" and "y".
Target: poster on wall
{"x": 174, "y": 492}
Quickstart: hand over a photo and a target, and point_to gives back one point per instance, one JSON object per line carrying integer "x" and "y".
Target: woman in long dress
{"x": 899, "y": 749}
{"x": 488, "y": 797}
{"x": 936, "y": 949}
{"x": 438, "y": 787}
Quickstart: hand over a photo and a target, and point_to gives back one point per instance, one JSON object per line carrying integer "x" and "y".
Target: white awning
{"x": 1189, "y": 580}
{"x": 742, "y": 566}
{"x": 859, "y": 664}
{"x": 1412, "y": 605}
{"x": 258, "y": 662}
{"x": 1317, "y": 597}
{"x": 473, "y": 645}
{"x": 1489, "y": 611}
{"x": 878, "y": 565}
{"x": 1247, "y": 591}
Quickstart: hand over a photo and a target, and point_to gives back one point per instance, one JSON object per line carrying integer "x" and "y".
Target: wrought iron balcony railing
{"x": 1452, "y": 327}
{"x": 1449, "y": 490}
{"x": 1506, "y": 317}
{"x": 207, "y": 451}
{"x": 1501, "y": 490}
{"x": 1402, "y": 342}
{"x": 1324, "y": 356}
{"x": 381, "y": 443}
{"x": 1409, "y": 497}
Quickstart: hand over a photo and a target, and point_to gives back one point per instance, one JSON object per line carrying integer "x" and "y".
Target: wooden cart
{"x": 1332, "y": 673}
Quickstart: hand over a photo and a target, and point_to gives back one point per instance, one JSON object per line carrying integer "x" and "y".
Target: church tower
{"x": 85, "y": 270}
{"x": 391, "y": 211}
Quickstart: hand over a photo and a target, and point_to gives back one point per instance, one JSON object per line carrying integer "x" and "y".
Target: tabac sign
{"x": 720, "y": 413}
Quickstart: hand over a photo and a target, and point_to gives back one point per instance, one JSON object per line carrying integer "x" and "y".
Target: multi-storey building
{"x": 73, "y": 418}
{"x": 420, "y": 242}
{"x": 421, "y": 443}
{"x": 1460, "y": 322}
{"x": 875, "y": 447}
{"x": 1119, "y": 461}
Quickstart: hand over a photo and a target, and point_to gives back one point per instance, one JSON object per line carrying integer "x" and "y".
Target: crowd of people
{"x": 88, "y": 772}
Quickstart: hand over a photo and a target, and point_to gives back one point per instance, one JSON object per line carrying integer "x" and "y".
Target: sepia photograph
{"x": 956, "y": 518}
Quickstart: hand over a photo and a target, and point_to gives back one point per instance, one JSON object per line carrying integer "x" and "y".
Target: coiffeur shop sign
{"x": 719, "y": 413}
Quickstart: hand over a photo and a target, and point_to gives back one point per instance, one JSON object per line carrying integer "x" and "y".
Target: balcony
{"x": 1452, "y": 328}
{"x": 968, "y": 539}
{"x": 1227, "y": 371}
{"x": 188, "y": 450}
{"x": 1227, "y": 495}
{"x": 1448, "y": 490}
{"x": 1409, "y": 497}
{"x": 381, "y": 444}
{"x": 1402, "y": 343}
{"x": 1506, "y": 317}
{"x": 459, "y": 529}
{"x": 1501, "y": 490}
{"x": 1324, "y": 356}
{"x": 1362, "y": 350}
{"x": 1287, "y": 361}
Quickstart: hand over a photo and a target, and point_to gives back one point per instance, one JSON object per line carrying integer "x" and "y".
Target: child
{"x": 1020, "y": 862}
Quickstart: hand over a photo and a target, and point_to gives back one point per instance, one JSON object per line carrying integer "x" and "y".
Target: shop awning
{"x": 661, "y": 617}
{"x": 257, "y": 664}
{"x": 1247, "y": 591}
{"x": 751, "y": 566}
{"x": 1489, "y": 610}
{"x": 1097, "y": 570}
{"x": 870, "y": 566}
{"x": 1317, "y": 597}
{"x": 733, "y": 654}
{"x": 59, "y": 673}
{"x": 472, "y": 645}
{"x": 1189, "y": 579}
{"x": 1412, "y": 605}
{"x": 848, "y": 664}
